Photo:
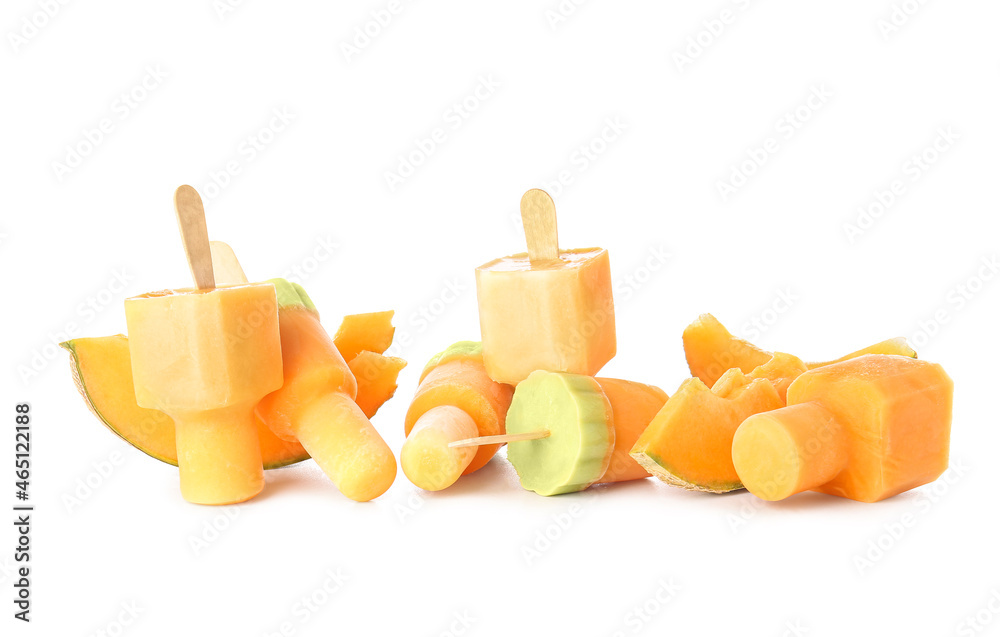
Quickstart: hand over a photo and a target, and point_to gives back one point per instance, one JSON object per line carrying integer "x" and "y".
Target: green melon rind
{"x": 655, "y": 466}
{"x": 460, "y": 349}
{"x": 542, "y": 465}
{"x": 292, "y": 295}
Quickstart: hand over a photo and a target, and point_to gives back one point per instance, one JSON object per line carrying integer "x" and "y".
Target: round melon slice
{"x": 577, "y": 414}
{"x": 102, "y": 370}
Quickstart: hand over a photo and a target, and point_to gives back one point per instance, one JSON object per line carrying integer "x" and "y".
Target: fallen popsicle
{"x": 545, "y": 309}
{"x": 197, "y": 357}
{"x": 455, "y": 400}
{"x": 568, "y": 431}
{"x": 865, "y": 429}
{"x": 316, "y": 404}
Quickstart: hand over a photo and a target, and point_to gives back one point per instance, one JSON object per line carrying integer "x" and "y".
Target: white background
{"x": 414, "y": 562}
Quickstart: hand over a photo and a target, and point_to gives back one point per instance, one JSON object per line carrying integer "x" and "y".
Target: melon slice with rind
{"x": 102, "y": 371}
{"x": 577, "y": 414}
{"x": 688, "y": 443}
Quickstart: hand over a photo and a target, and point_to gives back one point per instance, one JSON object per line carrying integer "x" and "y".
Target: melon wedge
{"x": 689, "y": 442}
{"x": 102, "y": 370}
{"x": 370, "y": 332}
{"x": 376, "y": 375}
{"x": 711, "y": 350}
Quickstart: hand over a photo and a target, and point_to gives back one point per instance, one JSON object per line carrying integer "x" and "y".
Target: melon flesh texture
{"x": 781, "y": 370}
{"x": 689, "y": 442}
{"x": 711, "y": 350}
{"x": 102, "y": 370}
{"x": 376, "y": 377}
{"x": 633, "y": 406}
{"x": 370, "y": 332}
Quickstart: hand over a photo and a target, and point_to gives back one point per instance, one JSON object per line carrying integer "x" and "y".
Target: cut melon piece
{"x": 781, "y": 370}
{"x": 576, "y": 413}
{"x": 688, "y": 444}
{"x": 102, "y": 370}
{"x": 711, "y": 350}
{"x": 370, "y": 332}
{"x": 376, "y": 375}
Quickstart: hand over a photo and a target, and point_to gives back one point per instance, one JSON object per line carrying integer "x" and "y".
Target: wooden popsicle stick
{"x": 228, "y": 270}
{"x": 500, "y": 439}
{"x": 538, "y": 216}
{"x": 194, "y": 235}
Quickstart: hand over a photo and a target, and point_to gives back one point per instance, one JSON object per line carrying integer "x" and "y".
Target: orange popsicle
{"x": 633, "y": 406}
{"x": 546, "y": 309}
{"x": 316, "y": 405}
{"x": 455, "y": 400}
{"x": 864, "y": 429}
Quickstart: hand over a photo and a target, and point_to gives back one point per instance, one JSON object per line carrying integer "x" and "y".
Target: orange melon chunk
{"x": 376, "y": 377}
{"x": 711, "y": 350}
{"x": 371, "y": 332}
{"x": 688, "y": 443}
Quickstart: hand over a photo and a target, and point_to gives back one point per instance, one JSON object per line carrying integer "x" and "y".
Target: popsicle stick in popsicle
{"x": 500, "y": 439}
{"x": 228, "y": 270}
{"x": 213, "y": 381}
{"x": 194, "y": 235}
{"x": 538, "y": 216}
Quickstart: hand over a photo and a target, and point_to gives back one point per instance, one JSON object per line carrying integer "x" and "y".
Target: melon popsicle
{"x": 865, "y": 429}
{"x": 545, "y": 309}
{"x": 204, "y": 357}
{"x": 633, "y": 407}
{"x": 316, "y": 404}
{"x": 566, "y": 432}
{"x": 455, "y": 400}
